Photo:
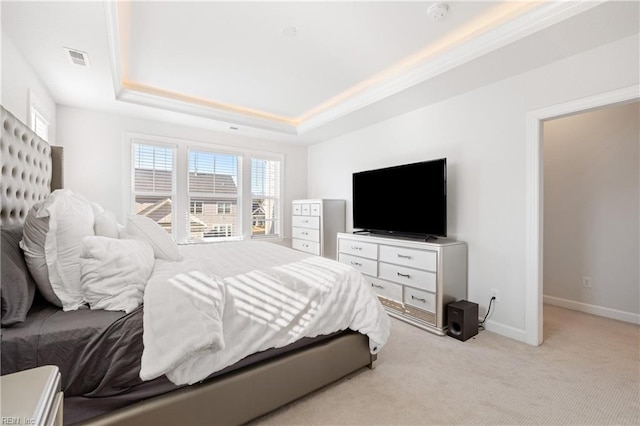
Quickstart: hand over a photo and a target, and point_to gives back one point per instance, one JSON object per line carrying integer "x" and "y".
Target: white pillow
{"x": 97, "y": 208}
{"x": 34, "y": 232}
{"x": 142, "y": 227}
{"x": 114, "y": 272}
{"x": 52, "y": 238}
{"x": 106, "y": 225}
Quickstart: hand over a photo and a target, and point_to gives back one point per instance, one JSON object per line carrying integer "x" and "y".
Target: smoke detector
{"x": 77, "y": 57}
{"x": 438, "y": 11}
{"x": 290, "y": 31}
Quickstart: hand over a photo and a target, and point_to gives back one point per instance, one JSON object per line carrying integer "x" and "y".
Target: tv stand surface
{"x": 408, "y": 275}
{"x": 408, "y": 237}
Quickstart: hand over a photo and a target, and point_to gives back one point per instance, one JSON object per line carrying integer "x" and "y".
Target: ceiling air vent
{"x": 77, "y": 57}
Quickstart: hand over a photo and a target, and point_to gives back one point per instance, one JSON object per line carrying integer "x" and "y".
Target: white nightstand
{"x": 32, "y": 397}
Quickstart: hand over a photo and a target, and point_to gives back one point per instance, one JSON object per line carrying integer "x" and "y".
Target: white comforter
{"x": 225, "y": 301}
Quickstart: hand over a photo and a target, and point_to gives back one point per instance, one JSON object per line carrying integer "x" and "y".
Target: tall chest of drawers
{"x": 414, "y": 280}
{"x": 315, "y": 224}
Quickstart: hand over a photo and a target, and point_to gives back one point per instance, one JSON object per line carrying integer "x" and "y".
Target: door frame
{"x": 535, "y": 197}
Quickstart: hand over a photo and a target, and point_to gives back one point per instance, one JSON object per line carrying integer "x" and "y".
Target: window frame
{"x": 279, "y": 219}
{"x": 38, "y": 113}
{"x": 200, "y": 195}
{"x": 181, "y": 205}
{"x": 224, "y": 205}
{"x": 174, "y": 175}
{"x": 196, "y": 205}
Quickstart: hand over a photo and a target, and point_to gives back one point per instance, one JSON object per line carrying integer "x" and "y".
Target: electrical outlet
{"x": 586, "y": 281}
{"x": 494, "y": 293}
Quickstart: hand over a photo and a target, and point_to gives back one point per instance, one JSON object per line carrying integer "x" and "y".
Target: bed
{"x": 242, "y": 366}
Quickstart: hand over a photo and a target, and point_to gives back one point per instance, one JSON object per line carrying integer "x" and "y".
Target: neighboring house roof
{"x": 197, "y": 225}
{"x": 212, "y": 183}
{"x": 149, "y": 180}
{"x": 158, "y": 210}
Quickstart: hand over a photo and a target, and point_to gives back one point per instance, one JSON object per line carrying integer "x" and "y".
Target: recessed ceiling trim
{"x": 449, "y": 57}
{"x": 150, "y": 99}
{"x": 113, "y": 39}
{"x": 205, "y": 102}
{"x": 432, "y": 61}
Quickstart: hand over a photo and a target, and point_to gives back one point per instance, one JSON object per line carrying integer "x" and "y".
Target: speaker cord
{"x": 481, "y": 325}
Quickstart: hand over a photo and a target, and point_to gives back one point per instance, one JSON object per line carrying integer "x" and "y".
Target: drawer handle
{"x": 305, "y": 221}
{"x": 305, "y": 245}
{"x": 356, "y": 263}
{"x": 305, "y": 233}
{"x": 356, "y": 248}
{"x": 418, "y": 299}
{"x": 376, "y": 285}
{"x": 404, "y": 256}
{"x": 403, "y": 275}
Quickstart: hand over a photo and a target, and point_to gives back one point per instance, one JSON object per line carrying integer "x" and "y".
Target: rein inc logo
{"x": 4, "y": 420}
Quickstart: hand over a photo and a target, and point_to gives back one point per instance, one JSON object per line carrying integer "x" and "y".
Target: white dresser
{"x": 315, "y": 224}
{"x": 414, "y": 280}
{"x": 32, "y": 397}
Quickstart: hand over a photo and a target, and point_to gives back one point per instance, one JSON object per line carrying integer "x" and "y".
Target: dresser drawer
{"x": 306, "y": 222}
{"x": 306, "y": 246}
{"x": 408, "y": 276}
{"x": 366, "y": 266}
{"x": 306, "y": 209}
{"x": 385, "y": 289}
{"x": 306, "y": 234}
{"x": 359, "y": 248}
{"x": 315, "y": 209}
{"x": 420, "y": 259}
{"x": 297, "y": 209}
{"x": 420, "y": 299}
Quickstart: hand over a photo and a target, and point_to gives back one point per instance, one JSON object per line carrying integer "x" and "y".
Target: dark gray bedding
{"x": 98, "y": 353}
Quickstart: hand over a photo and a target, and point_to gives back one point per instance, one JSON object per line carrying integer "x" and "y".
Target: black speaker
{"x": 462, "y": 319}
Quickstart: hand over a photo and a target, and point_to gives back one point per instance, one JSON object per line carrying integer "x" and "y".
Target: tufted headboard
{"x": 31, "y": 169}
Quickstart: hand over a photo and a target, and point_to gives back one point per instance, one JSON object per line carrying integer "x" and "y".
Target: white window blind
{"x": 265, "y": 197}
{"x": 153, "y": 183}
{"x": 39, "y": 124}
{"x": 214, "y": 183}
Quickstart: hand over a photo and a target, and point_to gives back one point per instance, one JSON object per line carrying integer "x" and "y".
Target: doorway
{"x": 591, "y": 211}
{"x": 534, "y": 198}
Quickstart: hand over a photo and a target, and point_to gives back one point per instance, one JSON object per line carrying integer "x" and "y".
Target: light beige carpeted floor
{"x": 586, "y": 372}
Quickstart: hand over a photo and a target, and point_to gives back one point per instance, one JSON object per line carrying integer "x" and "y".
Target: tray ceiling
{"x": 283, "y": 68}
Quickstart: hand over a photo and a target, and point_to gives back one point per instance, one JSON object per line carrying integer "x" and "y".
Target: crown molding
{"x": 512, "y": 31}
{"x": 538, "y": 18}
{"x": 113, "y": 39}
{"x": 185, "y": 107}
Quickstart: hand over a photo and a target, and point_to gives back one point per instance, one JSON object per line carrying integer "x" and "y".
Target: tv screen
{"x": 410, "y": 199}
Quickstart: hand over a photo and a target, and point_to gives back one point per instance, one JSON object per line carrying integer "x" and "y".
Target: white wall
{"x": 94, "y": 155}
{"x": 591, "y": 208}
{"x": 18, "y": 77}
{"x": 483, "y": 135}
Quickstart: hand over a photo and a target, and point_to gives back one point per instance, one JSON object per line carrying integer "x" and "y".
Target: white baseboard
{"x": 593, "y": 309}
{"x": 506, "y": 331}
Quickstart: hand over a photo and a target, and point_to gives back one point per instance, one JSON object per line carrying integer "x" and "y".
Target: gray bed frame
{"x": 31, "y": 169}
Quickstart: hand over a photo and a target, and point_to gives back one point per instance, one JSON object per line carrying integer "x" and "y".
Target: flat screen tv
{"x": 409, "y": 200}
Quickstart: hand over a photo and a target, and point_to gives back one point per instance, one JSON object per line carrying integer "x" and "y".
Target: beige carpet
{"x": 586, "y": 372}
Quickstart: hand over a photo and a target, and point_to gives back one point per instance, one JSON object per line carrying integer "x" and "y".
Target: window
{"x": 38, "y": 115}
{"x": 224, "y": 208}
{"x": 196, "y": 207}
{"x": 39, "y": 124}
{"x": 154, "y": 183}
{"x": 214, "y": 182}
{"x": 199, "y": 191}
{"x": 265, "y": 197}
